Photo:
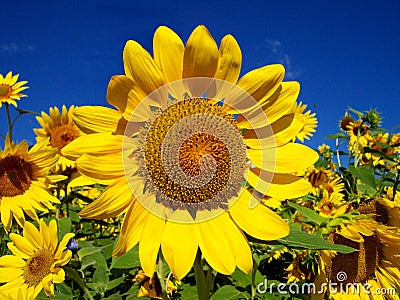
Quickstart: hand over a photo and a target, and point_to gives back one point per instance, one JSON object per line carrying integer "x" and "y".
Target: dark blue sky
{"x": 343, "y": 53}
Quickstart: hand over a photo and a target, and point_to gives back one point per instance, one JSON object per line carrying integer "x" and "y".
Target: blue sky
{"x": 343, "y": 53}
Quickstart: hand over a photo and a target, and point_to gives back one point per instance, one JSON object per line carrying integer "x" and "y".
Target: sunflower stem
{"x": 357, "y": 145}
{"x": 10, "y": 127}
{"x": 160, "y": 271}
{"x": 253, "y": 280}
{"x": 200, "y": 278}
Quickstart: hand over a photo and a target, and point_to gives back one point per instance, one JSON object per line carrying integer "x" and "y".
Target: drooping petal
{"x": 149, "y": 244}
{"x": 179, "y": 246}
{"x": 215, "y": 241}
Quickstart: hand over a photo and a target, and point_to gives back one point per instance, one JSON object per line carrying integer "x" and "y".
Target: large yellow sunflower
{"x": 22, "y": 181}
{"x": 10, "y": 89}
{"x": 36, "y": 261}
{"x": 59, "y": 129}
{"x": 372, "y": 272}
{"x": 192, "y": 153}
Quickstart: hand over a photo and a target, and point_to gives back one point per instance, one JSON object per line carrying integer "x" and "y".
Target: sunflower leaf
{"x": 309, "y": 214}
{"x": 300, "y": 239}
{"x": 365, "y": 174}
{"x": 228, "y": 292}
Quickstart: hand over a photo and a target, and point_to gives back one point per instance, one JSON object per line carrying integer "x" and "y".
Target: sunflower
{"x": 310, "y": 121}
{"x": 36, "y": 261}
{"x": 60, "y": 129}
{"x": 360, "y": 133}
{"x": 199, "y": 150}
{"x": 22, "y": 181}
{"x": 10, "y": 89}
{"x": 373, "y": 268}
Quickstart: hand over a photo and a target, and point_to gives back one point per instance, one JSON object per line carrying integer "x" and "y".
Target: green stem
{"x": 357, "y": 145}
{"x": 74, "y": 274}
{"x": 253, "y": 280}
{"x": 160, "y": 267}
{"x": 10, "y": 127}
{"x": 200, "y": 278}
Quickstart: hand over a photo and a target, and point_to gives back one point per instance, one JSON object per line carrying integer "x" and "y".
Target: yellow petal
{"x": 289, "y": 158}
{"x": 112, "y": 202}
{"x": 168, "y": 53}
{"x": 53, "y": 235}
{"x": 140, "y": 66}
{"x": 63, "y": 244}
{"x": 105, "y": 167}
{"x": 230, "y": 60}
{"x": 59, "y": 276}
{"x": 45, "y": 231}
{"x": 6, "y": 216}
{"x": 179, "y": 246}
{"x": 10, "y": 274}
{"x": 93, "y": 119}
{"x": 32, "y": 234}
{"x": 95, "y": 144}
{"x": 215, "y": 241}
{"x": 263, "y": 82}
{"x": 201, "y": 54}
{"x": 16, "y": 251}
{"x": 118, "y": 90}
{"x": 22, "y": 244}
{"x": 150, "y": 243}
{"x": 11, "y": 261}
{"x": 278, "y": 185}
{"x": 259, "y": 221}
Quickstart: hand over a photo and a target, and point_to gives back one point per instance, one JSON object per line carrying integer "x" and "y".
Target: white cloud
{"x": 282, "y": 58}
{"x": 13, "y": 47}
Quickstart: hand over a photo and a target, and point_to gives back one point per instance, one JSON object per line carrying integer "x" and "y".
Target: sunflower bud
{"x": 373, "y": 118}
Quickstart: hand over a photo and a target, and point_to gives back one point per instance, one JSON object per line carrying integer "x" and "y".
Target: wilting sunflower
{"x": 10, "y": 89}
{"x": 365, "y": 273}
{"x": 22, "y": 181}
{"x": 200, "y": 149}
{"x": 36, "y": 261}
{"x": 59, "y": 129}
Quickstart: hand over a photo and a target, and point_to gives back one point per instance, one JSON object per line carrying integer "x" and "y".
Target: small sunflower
{"x": 23, "y": 174}
{"x": 59, "y": 129}
{"x": 360, "y": 133}
{"x": 10, "y": 89}
{"x": 310, "y": 121}
{"x": 331, "y": 206}
{"x": 374, "y": 266}
{"x": 197, "y": 151}
{"x": 36, "y": 261}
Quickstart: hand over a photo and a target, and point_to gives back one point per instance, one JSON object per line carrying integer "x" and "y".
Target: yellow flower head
{"x": 10, "y": 89}
{"x": 22, "y": 181}
{"x": 194, "y": 149}
{"x": 309, "y": 119}
{"x": 36, "y": 260}
{"x": 59, "y": 129}
{"x": 331, "y": 206}
{"x": 376, "y": 262}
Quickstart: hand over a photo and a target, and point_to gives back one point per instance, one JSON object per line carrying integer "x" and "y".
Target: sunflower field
{"x": 195, "y": 183}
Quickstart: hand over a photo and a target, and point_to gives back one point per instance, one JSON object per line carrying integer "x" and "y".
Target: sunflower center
{"x": 5, "y": 91}
{"x": 62, "y": 135}
{"x": 360, "y": 265}
{"x": 317, "y": 178}
{"x": 193, "y": 152}
{"x": 16, "y": 175}
{"x": 38, "y": 266}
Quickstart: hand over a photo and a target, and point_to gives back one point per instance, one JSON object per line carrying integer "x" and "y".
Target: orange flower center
{"x": 16, "y": 175}
{"x": 5, "y": 91}
{"x": 38, "y": 266}
{"x": 62, "y": 135}
{"x": 189, "y": 152}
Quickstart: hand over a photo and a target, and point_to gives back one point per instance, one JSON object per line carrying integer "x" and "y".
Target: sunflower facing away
{"x": 36, "y": 261}
{"x": 60, "y": 129}
{"x": 10, "y": 89}
{"x": 22, "y": 181}
{"x": 193, "y": 152}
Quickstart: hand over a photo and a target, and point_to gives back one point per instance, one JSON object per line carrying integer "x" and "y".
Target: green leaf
{"x": 64, "y": 227}
{"x": 244, "y": 280}
{"x": 310, "y": 214}
{"x": 358, "y": 113}
{"x": 129, "y": 260}
{"x": 115, "y": 282}
{"x": 364, "y": 173}
{"x": 228, "y": 292}
{"x": 337, "y": 136}
{"x": 88, "y": 251}
{"x": 188, "y": 292}
{"x": 100, "y": 279}
{"x": 300, "y": 239}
